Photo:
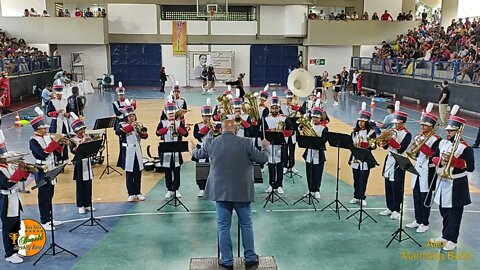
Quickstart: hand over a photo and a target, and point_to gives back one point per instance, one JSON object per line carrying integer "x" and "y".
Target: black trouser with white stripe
{"x": 45, "y": 196}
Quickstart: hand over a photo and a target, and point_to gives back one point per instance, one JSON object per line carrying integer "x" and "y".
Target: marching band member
{"x": 202, "y": 131}
{"x": 262, "y": 106}
{"x": 315, "y": 159}
{"x": 241, "y": 118}
{"x": 276, "y": 122}
{"x": 120, "y": 103}
{"x": 57, "y": 110}
{"x": 290, "y": 110}
{"x": 172, "y": 130}
{"x": 453, "y": 194}
{"x": 361, "y": 171}
{"x": 131, "y": 158}
{"x": 10, "y": 204}
{"x": 309, "y": 103}
{"x": 43, "y": 148}
{"x": 180, "y": 102}
{"x": 395, "y": 178}
{"x": 82, "y": 169}
{"x": 425, "y": 168}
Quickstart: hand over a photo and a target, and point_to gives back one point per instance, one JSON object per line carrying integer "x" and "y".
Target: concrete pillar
{"x": 408, "y": 5}
{"x": 449, "y": 11}
{"x": 356, "y": 51}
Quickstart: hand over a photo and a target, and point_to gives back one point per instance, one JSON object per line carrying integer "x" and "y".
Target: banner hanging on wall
{"x": 179, "y": 36}
{"x": 222, "y": 62}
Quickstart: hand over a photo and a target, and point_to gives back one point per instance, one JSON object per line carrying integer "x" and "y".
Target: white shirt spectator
{"x": 354, "y": 16}
{"x": 322, "y": 16}
{"x": 354, "y": 77}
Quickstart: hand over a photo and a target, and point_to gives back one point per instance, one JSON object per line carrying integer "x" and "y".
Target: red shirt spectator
{"x": 386, "y": 16}
{"x": 78, "y": 13}
{"x": 446, "y": 53}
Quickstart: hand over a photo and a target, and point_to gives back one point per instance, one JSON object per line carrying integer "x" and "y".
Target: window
{"x": 189, "y": 13}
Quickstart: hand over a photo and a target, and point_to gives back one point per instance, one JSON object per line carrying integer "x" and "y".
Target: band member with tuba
{"x": 225, "y": 100}
{"x": 315, "y": 159}
{"x": 171, "y": 130}
{"x": 10, "y": 204}
{"x": 43, "y": 148}
{"x": 290, "y": 110}
{"x": 361, "y": 170}
{"x": 276, "y": 122}
{"x": 395, "y": 140}
{"x": 57, "y": 110}
{"x": 202, "y": 131}
{"x": 241, "y": 118}
{"x": 131, "y": 158}
{"x": 82, "y": 169}
{"x": 454, "y": 158}
{"x": 424, "y": 146}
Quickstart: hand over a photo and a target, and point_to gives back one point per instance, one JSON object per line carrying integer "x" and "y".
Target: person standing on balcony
{"x": 443, "y": 102}
{"x": 386, "y": 16}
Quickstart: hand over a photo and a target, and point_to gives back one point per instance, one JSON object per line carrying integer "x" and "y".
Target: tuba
{"x": 305, "y": 127}
{"x": 414, "y": 150}
{"x": 250, "y": 106}
{"x": 301, "y": 82}
{"x": 224, "y": 103}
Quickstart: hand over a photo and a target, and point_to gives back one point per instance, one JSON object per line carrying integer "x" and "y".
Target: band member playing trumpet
{"x": 120, "y": 103}
{"x": 131, "y": 158}
{"x": 202, "y": 131}
{"x": 43, "y": 148}
{"x": 171, "y": 130}
{"x": 315, "y": 159}
{"x": 10, "y": 205}
{"x": 396, "y": 141}
{"x": 424, "y": 146}
{"x": 290, "y": 110}
{"x": 242, "y": 119}
{"x": 276, "y": 122}
{"x": 180, "y": 102}
{"x": 82, "y": 169}
{"x": 57, "y": 110}
{"x": 361, "y": 171}
{"x": 454, "y": 158}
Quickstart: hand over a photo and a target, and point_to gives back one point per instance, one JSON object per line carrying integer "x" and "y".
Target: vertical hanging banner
{"x": 179, "y": 36}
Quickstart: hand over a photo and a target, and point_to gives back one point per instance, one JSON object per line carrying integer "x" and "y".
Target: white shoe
{"x": 335, "y": 103}
{"x": 14, "y": 259}
{"x": 131, "y": 198}
{"x": 422, "y": 228}
{"x": 449, "y": 246}
{"x": 140, "y": 197}
{"x": 316, "y": 195}
{"x": 285, "y": 170}
{"x": 414, "y": 224}
{"x": 178, "y": 194}
{"x": 90, "y": 208}
{"x": 168, "y": 195}
{"x": 200, "y": 193}
{"x": 280, "y": 190}
{"x": 387, "y": 212}
{"x": 81, "y": 210}
{"x": 364, "y": 203}
{"x": 354, "y": 201}
{"x": 269, "y": 189}
{"x": 57, "y": 223}
{"x": 394, "y": 215}
{"x": 438, "y": 241}
{"x": 294, "y": 170}
{"x": 48, "y": 226}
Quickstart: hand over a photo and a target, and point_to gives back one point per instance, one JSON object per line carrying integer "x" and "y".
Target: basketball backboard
{"x": 212, "y": 8}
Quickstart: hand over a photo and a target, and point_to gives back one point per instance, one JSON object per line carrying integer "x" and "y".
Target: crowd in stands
{"x": 99, "y": 13}
{"x": 33, "y": 13}
{"x": 17, "y": 57}
{"x": 454, "y": 48}
{"x": 346, "y": 16}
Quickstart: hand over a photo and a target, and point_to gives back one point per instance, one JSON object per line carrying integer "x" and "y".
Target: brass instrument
{"x": 139, "y": 128}
{"x": 357, "y": 144}
{"x": 238, "y": 120}
{"x": 213, "y": 129}
{"x": 173, "y": 130}
{"x": 250, "y": 106}
{"x": 280, "y": 126}
{"x": 414, "y": 149}
{"x": 451, "y": 154}
{"x": 382, "y": 140}
{"x": 29, "y": 167}
{"x": 224, "y": 103}
{"x": 305, "y": 127}
{"x": 301, "y": 82}
{"x": 180, "y": 113}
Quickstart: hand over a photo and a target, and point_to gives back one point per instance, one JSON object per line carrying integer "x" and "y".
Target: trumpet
{"x": 238, "y": 120}
{"x": 139, "y": 128}
{"x": 64, "y": 139}
{"x": 414, "y": 150}
{"x": 213, "y": 129}
{"x": 29, "y": 167}
{"x": 382, "y": 140}
{"x": 180, "y": 113}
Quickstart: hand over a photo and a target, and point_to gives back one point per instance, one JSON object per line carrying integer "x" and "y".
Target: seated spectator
{"x": 104, "y": 13}
{"x": 331, "y": 16}
{"x": 343, "y": 16}
{"x": 322, "y": 16}
{"x": 312, "y": 15}
{"x": 99, "y": 13}
{"x": 354, "y": 16}
{"x": 386, "y": 16}
{"x": 78, "y": 12}
{"x": 88, "y": 13}
{"x": 409, "y": 16}
{"x": 375, "y": 17}
{"x": 26, "y": 13}
{"x": 60, "y": 13}
{"x": 33, "y": 13}
{"x": 365, "y": 16}
{"x": 45, "y": 14}
{"x": 67, "y": 13}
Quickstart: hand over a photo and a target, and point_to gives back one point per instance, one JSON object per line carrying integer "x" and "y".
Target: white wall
{"x": 272, "y": 20}
{"x": 132, "y": 19}
{"x": 237, "y": 28}
{"x": 393, "y": 6}
{"x": 367, "y": 50}
{"x": 242, "y": 59}
{"x": 94, "y": 59}
{"x": 335, "y": 57}
{"x": 41, "y": 47}
{"x": 193, "y": 27}
{"x": 14, "y": 8}
{"x": 468, "y": 8}
{"x": 177, "y": 65}
{"x": 295, "y": 24}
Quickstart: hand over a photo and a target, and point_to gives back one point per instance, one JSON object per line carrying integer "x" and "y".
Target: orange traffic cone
{"x": 17, "y": 121}
{"x": 372, "y": 103}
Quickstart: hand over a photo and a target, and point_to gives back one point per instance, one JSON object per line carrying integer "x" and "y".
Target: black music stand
{"x": 363, "y": 155}
{"x": 49, "y": 176}
{"x": 275, "y": 138}
{"x": 403, "y": 163}
{"x": 87, "y": 150}
{"x": 173, "y": 148}
{"x": 314, "y": 143}
{"x": 105, "y": 123}
{"x": 344, "y": 141}
{"x": 290, "y": 173}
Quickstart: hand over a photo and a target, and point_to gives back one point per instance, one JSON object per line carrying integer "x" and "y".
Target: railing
{"x": 453, "y": 71}
{"x": 19, "y": 66}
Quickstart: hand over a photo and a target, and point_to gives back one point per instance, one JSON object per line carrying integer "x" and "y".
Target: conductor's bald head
{"x": 229, "y": 125}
